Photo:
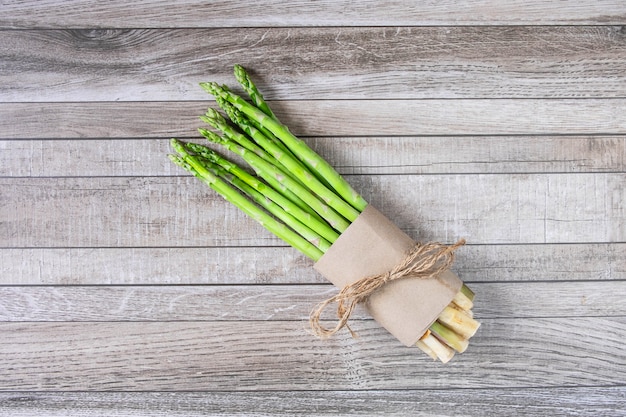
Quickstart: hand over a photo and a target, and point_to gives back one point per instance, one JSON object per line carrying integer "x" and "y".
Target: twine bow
{"x": 422, "y": 261}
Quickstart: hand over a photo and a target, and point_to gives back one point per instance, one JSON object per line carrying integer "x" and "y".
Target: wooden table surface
{"x": 127, "y": 288}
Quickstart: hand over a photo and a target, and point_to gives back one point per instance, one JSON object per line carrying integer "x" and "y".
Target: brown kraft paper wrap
{"x": 373, "y": 245}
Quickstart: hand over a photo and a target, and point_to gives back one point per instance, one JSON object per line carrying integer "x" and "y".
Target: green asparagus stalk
{"x": 272, "y": 180}
{"x": 273, "y": 208}
{"x": 245, "y": 205}
{"x": 246, "y": 82}
{"x": 467, "y": 292}
{"x": 272, "y": 173}
{"x": 320, "y": 227}
{"x": 293, "y": 166}
{"x": 214, "y": 119}
{"x": 249, "y": 126}
{"x": 297, "y": 146}
{"x": 244, "y": 79}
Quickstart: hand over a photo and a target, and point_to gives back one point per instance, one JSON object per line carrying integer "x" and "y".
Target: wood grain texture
{"x": 322, "y": 118}
{"x": 180, "y": 211}
{"x": 315, "y": 63}
{"x": 197, "y": 13}
{"x": 128, "y": 288}
{"x": 349, "y": 155}
{"x": 183, "y": 356}
{"x": 535, "y": 402}
{"x": 283, "y": 265}
{"x": 287, "y": 302}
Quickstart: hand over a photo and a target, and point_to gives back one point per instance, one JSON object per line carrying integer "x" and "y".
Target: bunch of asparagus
{"x": 294, "y": 193}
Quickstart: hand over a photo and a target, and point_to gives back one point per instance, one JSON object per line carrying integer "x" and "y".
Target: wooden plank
{"x": 283, "y": 265}
{"x": 156, "y": 266}
{"x": 94, "y": 120}
{"x": 187, "y": 356}
{"x": 323, "y": 118}
{"x": 349, "y": 63}
{"x": 180, "y": 211}
{"x": 196, "y": 13}
{"x": 122, "y": 279}
{"x": 450, "y": 117}
{"x": 349, "y": 155}
{"x": 536, "y": 402}
{"x": 287, "y": 302}
{"x": 49, "y": 158}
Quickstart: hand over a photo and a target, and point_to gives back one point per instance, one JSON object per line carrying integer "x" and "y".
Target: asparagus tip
{"x": 239, "y": 69}
{"x": 210, "y": 121}
{"x": 178, "y": 160}
{"x": 242, "y": 75}
{"x": 178, "y": 146}
{"x": 213, "y": 120}
{"x": 231, "y": 111}
{"x": 211, "y": 136}
{"x": 214, "y": 114}
{"x": 212, "y": 88}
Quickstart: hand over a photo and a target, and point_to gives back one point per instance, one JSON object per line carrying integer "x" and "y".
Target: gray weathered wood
{"x": 350, "y": 63}
{"x": 283, "y": 265}
{"x": 181, "y": 211}
{"x": 129, "y": 288}
{"x": 293, "y": 302}
{"x": 322, "y": 118}
{"x": 227, "y": 355}
{"x": 198, "y": 13}
{"x": 349, "y": 155}
{"x": 535, "y": 402}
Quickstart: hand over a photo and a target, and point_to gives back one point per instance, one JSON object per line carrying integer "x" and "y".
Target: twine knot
{"x": 421, "y": 261}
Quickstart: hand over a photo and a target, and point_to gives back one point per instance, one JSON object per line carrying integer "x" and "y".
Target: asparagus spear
{"x": 450, "y": 337}
{"x": 273, "y": 180}
{"x": 245, "y": 205}
{"x": 246, "y": 82}
{"x": 250, "y": 127}
{"x": 297, "y": 146}
{"x": 316, "y": 224}
{"x": 273, "y": 208}
{"x": 214, "y": 119}
{"x": 244, "y": 79}
{"x": 272, "y": 173}
{"x": 293, "y": 166}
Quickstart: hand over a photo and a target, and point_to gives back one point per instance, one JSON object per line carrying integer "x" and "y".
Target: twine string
{"x": 421, "y": 261}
